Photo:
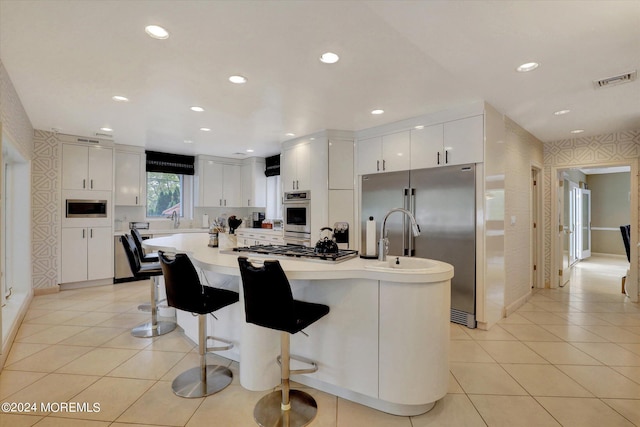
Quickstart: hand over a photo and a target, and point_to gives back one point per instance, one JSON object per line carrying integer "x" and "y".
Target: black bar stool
{"x": 185, "y": 292}
{"x": 146, "y": 271}
{"x": 269, "y": 303}
{"x": 144, "y": 257}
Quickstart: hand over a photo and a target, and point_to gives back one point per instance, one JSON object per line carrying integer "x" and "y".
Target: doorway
{"x": 572, "y": 217}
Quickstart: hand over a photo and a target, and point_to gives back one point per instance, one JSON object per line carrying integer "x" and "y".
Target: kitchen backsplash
{"x": 126, "y": 214}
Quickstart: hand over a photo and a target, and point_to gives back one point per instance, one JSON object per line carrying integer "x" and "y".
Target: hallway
{"x": 569, "y": 357}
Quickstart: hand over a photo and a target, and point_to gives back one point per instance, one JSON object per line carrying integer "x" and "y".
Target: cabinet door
{"x": 211, "y": 182}
{"x": 396, "y": 152}
{"x": 464, "y": 141}
{"x": 303, "y": 166}
{"x": 100, "y": 169}
{"x": 232, "y": 185}
{"x": 99, "y": 253}
{"x": 426, "y": 147}
{"x": 254, "y": 185}
{"x": 74, "y": 255}
{"x": 75, "y": 166}
{"x": 288, "y": 169}
{"x": 369, "y": 152}
{"x": 128, "y": 179}
{"x": 340, "y": 165}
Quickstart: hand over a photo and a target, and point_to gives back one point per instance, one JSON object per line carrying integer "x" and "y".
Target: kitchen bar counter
{"x": 384, "y": 344}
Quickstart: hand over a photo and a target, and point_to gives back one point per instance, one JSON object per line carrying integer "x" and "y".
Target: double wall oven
{"x": 297, "y": 217}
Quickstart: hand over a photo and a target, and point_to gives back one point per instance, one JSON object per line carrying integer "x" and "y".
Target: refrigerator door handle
{"x": 412, "y": 209}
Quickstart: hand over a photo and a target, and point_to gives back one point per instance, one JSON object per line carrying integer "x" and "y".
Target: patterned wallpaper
{"x": 594, "y": 150}
{"x": 15, "y": 122}
{"x": 45, "y": 209}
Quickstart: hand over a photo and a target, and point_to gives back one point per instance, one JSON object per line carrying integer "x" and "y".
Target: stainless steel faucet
{"x": 175, "y": 217}
{"x": 383, "y": 243}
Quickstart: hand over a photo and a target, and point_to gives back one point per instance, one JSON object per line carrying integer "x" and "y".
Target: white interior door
{"x": 584, "y": 223}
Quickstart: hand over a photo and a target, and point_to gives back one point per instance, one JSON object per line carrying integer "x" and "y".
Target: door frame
{"x": 632, "y": 279}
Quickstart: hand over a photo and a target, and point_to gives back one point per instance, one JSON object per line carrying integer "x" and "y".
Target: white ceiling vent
{"x": 616, "y": 80}
{"x": 103, "y": 135}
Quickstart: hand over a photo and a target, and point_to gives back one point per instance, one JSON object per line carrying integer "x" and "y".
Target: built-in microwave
{"x": 80, "y": 208}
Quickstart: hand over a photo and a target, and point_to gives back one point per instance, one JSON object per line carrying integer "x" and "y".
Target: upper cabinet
{"x": 295, "y": 166}
{"x": 254, "y": 183}
{"x": 219, "y": 184}
{"x": 87, "y": 168}
{"x": 452, "y": 143}
{"x": 385, "y": 153}
{"x": 130, "y": 178}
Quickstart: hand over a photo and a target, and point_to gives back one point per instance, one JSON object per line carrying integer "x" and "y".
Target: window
{"x": 165, "y": 194}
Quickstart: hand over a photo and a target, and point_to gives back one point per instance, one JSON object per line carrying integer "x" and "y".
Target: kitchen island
{"x": 384, "y": 344}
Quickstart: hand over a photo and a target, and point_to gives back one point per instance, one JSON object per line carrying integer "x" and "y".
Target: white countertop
{"x": 195, "y": 245}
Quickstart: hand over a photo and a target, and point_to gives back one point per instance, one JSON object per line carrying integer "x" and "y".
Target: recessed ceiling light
{"x": 577, "y": 131}
{"x": 419, "y": 127}
{"x": 205, "y": 129}
{"x": 106, "y": 129}
{"x": 120, "y": 98}
{"x": 196, "y": 109}
{"x": 313, "y": 139}
{"x": 188, "y": 141}
{"x": 329, "y": 58}
{"x": 156, "y": 32}
{"x": 561, "y": 112}
{"x": 376, "y": 112}
{"x": 290, "y": 134}
{"x": 238, "y": 79}
{"x": 529, "y": 66}
{"x": 249, "y": 150}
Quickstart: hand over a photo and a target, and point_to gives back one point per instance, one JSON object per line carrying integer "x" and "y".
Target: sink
{"x": 401, "y": 265}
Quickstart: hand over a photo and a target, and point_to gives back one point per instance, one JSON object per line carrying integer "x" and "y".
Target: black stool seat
{"x": 269, "y": 303}
{"x": 146, "y": 271}
{"x": 137, "y": 239}
{"x": 185, "y": 292}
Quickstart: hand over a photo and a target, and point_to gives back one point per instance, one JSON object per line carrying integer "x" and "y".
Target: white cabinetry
{"x": 295, "y": 167}
{"x": 254, "y": 183}
{"x": 130, "y": 179}
{"x": 385, "y": 153}
{"x": 87, "y": 254}
{"x": 452, "y": 143}
{"x": 87, "y": 168}
{"x": 251, "y": 237}
{"x": 219, "y": 184}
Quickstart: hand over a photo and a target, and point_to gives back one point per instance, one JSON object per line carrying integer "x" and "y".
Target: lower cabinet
{"x": 87, "y": 254}
{"x": 252, "y": 238}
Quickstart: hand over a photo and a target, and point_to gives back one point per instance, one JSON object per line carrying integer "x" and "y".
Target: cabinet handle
{"x": 83, "y": 233}
{"x": 446, "y": 156}
{"x": 92, "y": 184}
{"x": 297, "y": 185}
{"x": 84, "y": 183}
{"x": 91, "y": 233}
{"x": 248, "y": 202}
{"x": 377, "y": 165}
{"x": 220, "y": 202}
{"x": 136, "y": 200}
{"x": 384, "y": 165}
{"x": 293, "y": 184}
{"x": 225, "y": 202}
{"x": 438, "y": 157}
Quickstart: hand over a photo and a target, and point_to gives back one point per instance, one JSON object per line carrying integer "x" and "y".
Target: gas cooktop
{"x": 297, "y": 251}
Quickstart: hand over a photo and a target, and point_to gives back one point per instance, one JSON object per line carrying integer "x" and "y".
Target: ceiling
{"x": 67, "y": 59}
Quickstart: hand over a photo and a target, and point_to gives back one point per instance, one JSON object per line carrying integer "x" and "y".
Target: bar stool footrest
{"x": 229, "y": 345}
{"x": 268, "y": 411}
{"x": 314, "y": 365}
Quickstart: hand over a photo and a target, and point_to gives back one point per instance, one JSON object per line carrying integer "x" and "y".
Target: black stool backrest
{"x": 184, "y": 290}
{"x": 268, "y": 299}
{"x": 137, "y": 239}
{"x": 133, "y": 256}
{"x": 626, "y": 237}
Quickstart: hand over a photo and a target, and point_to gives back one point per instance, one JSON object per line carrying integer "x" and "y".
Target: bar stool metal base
{"x": 189, "y": 383}
{"x": 148, "y": 330}
{"x": 268, "y": 411}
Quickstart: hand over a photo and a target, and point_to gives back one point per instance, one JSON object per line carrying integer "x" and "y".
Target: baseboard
{"x": 86, "y": 284}
{"x": 11, "y": 335}
{"x": 46, "y": 291}
{"x": 615, "y": 256}
{"x": 511, "y": 308}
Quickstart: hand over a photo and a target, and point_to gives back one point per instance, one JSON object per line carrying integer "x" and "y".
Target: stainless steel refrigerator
{"x": 443, "y": 202}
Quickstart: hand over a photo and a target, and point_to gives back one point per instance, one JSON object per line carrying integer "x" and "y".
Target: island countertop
{"x": 221, "y": 261}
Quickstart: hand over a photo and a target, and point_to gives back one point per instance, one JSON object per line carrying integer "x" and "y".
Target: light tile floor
{"x": 568, "y": 357}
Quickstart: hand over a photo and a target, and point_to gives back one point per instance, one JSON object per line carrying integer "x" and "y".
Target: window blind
{"x": 170, "y": 163}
